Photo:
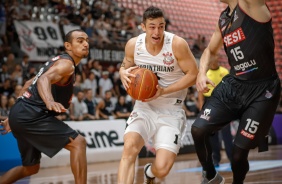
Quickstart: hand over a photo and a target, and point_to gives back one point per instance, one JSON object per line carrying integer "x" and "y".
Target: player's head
{"x": 153, "y": 24}
{"x": 76, "y": 42}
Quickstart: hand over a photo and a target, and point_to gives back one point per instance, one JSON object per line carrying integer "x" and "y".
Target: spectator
{"x": 11, "y": 102}
{"x": 25, "y": 65}
{"x": 6, "y": 89}
{"x": 25, "y": 9}
{"x": 97, "y": 69}
{"x": 78, "y": 108}
{"x": 91, "y": 104}
{"x": 2, "y": 22}
{"x": 111, "y": 70}
{"x": 122, "y": 109}
{"x": 4, "y": 74}
{"x": 11, "y": 63}
{"x": 191, "y": 106}
{"x": 17, "y": 91}
{"x": 78, "y": 85}
{"x": 31, "y": 73}
{"x": 105, "y": 84}
{"x": 91, "y": 83}
{"x": 87, "y": 24}
{"x": 4, "y": 111}
{"x": 17, "y": 74}
{"x": 105, "y": 108}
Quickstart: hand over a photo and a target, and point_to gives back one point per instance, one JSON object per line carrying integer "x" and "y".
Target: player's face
{"x": 154, "y": 29}
{"x": 79, "y": 44}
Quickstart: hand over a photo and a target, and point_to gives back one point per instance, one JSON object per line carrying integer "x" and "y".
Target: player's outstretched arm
{"x": 210, "y": 53}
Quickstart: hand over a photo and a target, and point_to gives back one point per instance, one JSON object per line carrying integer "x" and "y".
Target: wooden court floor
{"x": 267, "y": 169}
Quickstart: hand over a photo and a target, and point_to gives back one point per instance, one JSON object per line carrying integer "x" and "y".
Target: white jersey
{"x": 164, "y": 64}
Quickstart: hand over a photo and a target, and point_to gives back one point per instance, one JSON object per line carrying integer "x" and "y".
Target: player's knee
{"x": 161, "y": 169}
{"x": 197, "y": 132}
{"x": 130, "y": 149}
{"x": 31, "y": 170}
{"x": 80, "y": 142}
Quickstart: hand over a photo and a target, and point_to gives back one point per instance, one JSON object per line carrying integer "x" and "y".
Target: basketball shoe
{"x": 216, "y": 180}
{"x": 147, "y": 179}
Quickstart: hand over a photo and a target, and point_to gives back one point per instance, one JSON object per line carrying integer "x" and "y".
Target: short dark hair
{"x": 68, "y": 36}
{"x": 151, "y": 13}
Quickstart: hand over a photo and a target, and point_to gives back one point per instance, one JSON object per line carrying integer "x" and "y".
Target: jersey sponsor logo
{"x": 247, "y": 135}
{"x": 55, "y": 58}
{"x": 158, "y": 68}
{"x": 168, "y": 59}
{"x": 244, "y": 67}
{"x": 27, "y": 94}
{"x": 206, "y": 114}
{"x": 234, "y": 37}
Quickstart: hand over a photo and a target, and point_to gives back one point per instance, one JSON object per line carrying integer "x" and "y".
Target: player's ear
{"x": 67, "y": 45}
{"x": 143, "y": 26}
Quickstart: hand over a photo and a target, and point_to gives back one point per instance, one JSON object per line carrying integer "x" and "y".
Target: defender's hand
{"x": 55, "y": 106}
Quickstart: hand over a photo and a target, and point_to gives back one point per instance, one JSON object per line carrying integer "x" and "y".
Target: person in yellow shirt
{"x": 215, "y": 74}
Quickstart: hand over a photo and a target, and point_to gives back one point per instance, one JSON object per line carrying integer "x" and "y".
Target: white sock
{"x": 149, "y": 172}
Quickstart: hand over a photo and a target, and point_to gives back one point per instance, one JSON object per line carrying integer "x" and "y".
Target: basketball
{"x": 143, "y": 86}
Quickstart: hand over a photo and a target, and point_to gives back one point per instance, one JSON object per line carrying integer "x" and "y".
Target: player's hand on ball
{"x": 159, "y": 92}
{"x": 125, "y": 74}
{"x": 55, "y": 106}
{"x": 5, "y": 127}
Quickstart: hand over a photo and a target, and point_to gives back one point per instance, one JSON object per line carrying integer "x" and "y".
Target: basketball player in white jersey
{"x": 160, "y": 118}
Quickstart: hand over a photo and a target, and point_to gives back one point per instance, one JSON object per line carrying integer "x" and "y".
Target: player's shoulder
{"x": 130, "y": 45}
{"x": 63, "y": 61}
{"x": 132, "y": 41}
{"x": 178, "y": 41}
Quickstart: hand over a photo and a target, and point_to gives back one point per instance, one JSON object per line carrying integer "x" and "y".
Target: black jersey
{"x": 60, "y": 93}
{"x": 249, "y": 45}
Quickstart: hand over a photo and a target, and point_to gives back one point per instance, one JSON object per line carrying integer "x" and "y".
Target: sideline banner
{"x": 39, "y": 40}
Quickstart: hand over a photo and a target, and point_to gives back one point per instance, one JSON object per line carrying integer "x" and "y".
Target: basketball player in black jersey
{"x": 249, "y": 93}
{"x": 32, "y": 119}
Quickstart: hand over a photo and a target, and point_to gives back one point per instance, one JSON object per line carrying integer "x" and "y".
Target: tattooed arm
{"x": 128, "y": 64}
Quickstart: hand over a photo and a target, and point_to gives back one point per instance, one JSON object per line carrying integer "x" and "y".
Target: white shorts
{"x": 163, "y": 123}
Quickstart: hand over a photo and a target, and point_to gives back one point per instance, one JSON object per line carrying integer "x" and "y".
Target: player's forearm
{"x": 204, "y": 62}
{"x": 44, "y": 89}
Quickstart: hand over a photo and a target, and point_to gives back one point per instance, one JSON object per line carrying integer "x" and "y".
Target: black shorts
{"x": 38, "y": 131}
{"x": 254, "y": 103}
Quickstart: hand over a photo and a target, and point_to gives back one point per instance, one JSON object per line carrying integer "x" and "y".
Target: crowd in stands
{"x": 98, "y": 91}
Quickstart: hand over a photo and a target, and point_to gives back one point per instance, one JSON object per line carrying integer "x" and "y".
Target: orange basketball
{"x": 143, "y": 86}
